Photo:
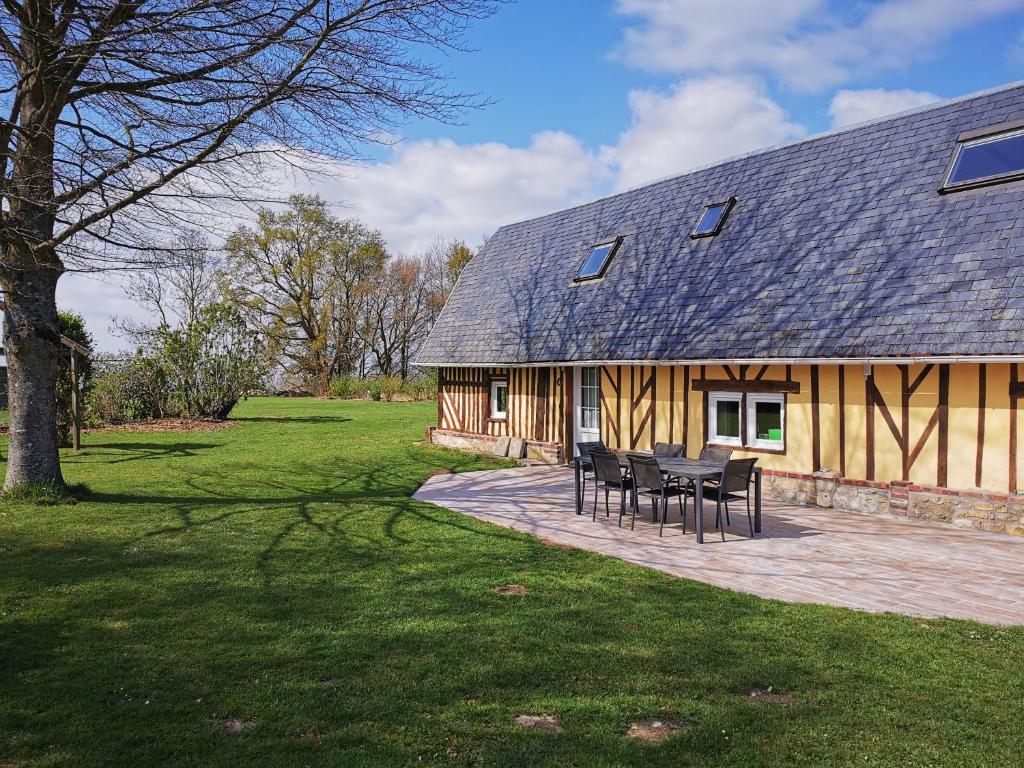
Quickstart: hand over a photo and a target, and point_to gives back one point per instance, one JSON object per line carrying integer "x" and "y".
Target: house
{"x": 853, "y": 301}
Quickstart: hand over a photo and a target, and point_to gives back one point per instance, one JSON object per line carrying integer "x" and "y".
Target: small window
{"x": 724, "y": 418}
{"x": 499, "y": 399}
{"x": 765, "y": 415}
{"x": 711, "y": 220}
{"x": 751, "y": 420}
{"x": 597, "y": 261}
{"x": 987, "y": 160}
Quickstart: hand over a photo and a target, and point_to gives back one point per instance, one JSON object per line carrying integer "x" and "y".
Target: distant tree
{"x": 396, "y": 315}
{"x": 175, "y": 291}
{"x": 119, "y": 114}
{"x": 300, "y": 277}
{"x": 443, "y": 263}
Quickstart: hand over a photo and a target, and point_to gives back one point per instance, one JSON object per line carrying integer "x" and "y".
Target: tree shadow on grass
{"x": 293, "y": 419}
{"x": 100, "y": 453}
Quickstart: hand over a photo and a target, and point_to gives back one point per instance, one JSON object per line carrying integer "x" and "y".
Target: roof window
{"x": 711, "y": 220}
{"x": 986, "y": 159}
{"x": 597, "y": 262}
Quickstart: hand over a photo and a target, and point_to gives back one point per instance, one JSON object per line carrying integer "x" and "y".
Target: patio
{"x": 804, "y": 554}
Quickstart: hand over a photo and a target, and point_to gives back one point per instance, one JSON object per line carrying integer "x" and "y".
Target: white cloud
{"x": 98, "y": 299}
{"x": 437, "y": 188}
{"x": 696, "y": 123}
{"x": 851, "y": 107}
{"x": 806, "y": 44}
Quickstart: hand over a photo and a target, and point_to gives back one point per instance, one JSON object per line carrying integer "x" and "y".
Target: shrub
{"x": 384, "y": 387}
{"x": 130, "y": 390}
{"x": 210, "y": 362}
{"x": 72, "y": 326}
{"x": 420, "y": 387}
{"x": 347, "y": 387}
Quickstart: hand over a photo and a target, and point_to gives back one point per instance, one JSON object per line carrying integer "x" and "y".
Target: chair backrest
{"x": 646, "y": 472}
{"x": 673, "y": 450}
{"x": 584, "y": 449}
{"x": 606, "y": 466}
{"x": 715, "y": 455}
{"x": 736, "y": 475}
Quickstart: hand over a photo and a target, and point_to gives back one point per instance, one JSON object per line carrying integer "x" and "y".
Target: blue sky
{"x": 594, "y": 96}
{"x": 561, "y": 65}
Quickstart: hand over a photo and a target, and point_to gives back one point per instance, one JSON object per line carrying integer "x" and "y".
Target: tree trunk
{"x": 31, "y": 344}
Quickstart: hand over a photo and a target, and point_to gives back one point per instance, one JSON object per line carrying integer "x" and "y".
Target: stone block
{"x": 825, "y": 483}
{"x": 862, "y": 498}
{"x": 933, "y": 507}
{"x": 501, "y": 446}
{"x": 798, "y": 490}
{"x": 517, "y": 448}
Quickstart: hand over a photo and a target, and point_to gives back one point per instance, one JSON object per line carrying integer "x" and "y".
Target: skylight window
{"x": 987, "y": 159}
{"x": 597, "y": 261}
{"x": 710, "y": 222}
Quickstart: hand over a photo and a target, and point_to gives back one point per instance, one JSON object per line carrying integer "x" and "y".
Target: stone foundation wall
{"x": 968, "y": 508}
{"x": 788, "y": 486}
{"x": 536, "y": 450}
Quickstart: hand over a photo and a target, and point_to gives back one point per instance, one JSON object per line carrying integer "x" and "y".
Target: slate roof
{"x": 840, "y": 246}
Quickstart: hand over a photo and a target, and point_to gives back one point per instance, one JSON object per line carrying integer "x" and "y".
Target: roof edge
{"x": 866, "y": 360}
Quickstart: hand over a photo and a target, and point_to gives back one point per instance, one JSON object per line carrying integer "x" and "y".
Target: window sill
{"x": 749, "y": 449}
{"x": 497, "y": 419}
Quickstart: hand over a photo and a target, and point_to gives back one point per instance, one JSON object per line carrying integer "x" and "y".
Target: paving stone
{"x": 804, "y": 554}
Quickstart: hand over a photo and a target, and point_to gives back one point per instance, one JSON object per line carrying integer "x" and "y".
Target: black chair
{"x": 715, "y": 455}
{"x": 586, "y": 465}
{"x": 735, "y": 479}
{"x": 670, "y": 450}
{"x": 648, "y": 481}
{"x": 608, "y": 474}
{"x": 673, "y": 451}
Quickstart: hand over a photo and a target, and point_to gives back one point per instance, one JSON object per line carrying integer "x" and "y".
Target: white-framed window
{"x": 766, "y": 421}
{"x": 724, "y": 422}
{"x": 590, "y": 398}
{"x": 499, "y": 399}
{"x": 752, "y": 420}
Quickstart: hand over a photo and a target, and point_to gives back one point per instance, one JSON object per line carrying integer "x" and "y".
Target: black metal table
{"x": 690, "y": 469}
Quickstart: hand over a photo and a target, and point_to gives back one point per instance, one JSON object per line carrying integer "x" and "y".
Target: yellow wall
{"x": 922, "y": 426}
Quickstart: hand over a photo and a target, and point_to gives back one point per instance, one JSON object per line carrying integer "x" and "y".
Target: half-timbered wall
{"x": 955, "y": 425}
{"x": 536, "y": 402}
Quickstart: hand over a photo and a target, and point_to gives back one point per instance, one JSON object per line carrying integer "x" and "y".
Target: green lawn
{"x": 277, "y": 574}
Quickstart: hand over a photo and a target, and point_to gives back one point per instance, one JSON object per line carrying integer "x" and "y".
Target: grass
{"x": 275, "y": 579}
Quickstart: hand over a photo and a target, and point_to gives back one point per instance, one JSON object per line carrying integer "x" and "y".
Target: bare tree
{"x": 397, "y": 315}
{"x": 443, "y": 262}
{"x": 118, "y": 110}
{"x": 176, "y": 290}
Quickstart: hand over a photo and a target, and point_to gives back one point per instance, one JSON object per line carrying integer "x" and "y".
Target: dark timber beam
{"x": 730, "y": 385}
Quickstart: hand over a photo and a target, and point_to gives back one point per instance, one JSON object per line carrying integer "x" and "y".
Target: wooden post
{"x": 76, "y": 416}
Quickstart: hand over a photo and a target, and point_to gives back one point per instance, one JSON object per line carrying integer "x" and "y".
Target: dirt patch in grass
{"x": 651, "y": 730}
{"x": 545, "y": 723}
{"x": 234, "y": 726}
{"x": 769, "y": 695}
{"x": 165, "y": 425}
{"x": 311, "y": 735}
{"x": 553, "y": 543}
{"x": 511, "y": 589}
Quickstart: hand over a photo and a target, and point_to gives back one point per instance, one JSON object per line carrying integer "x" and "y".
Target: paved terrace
{"x": 804, "y": 554}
